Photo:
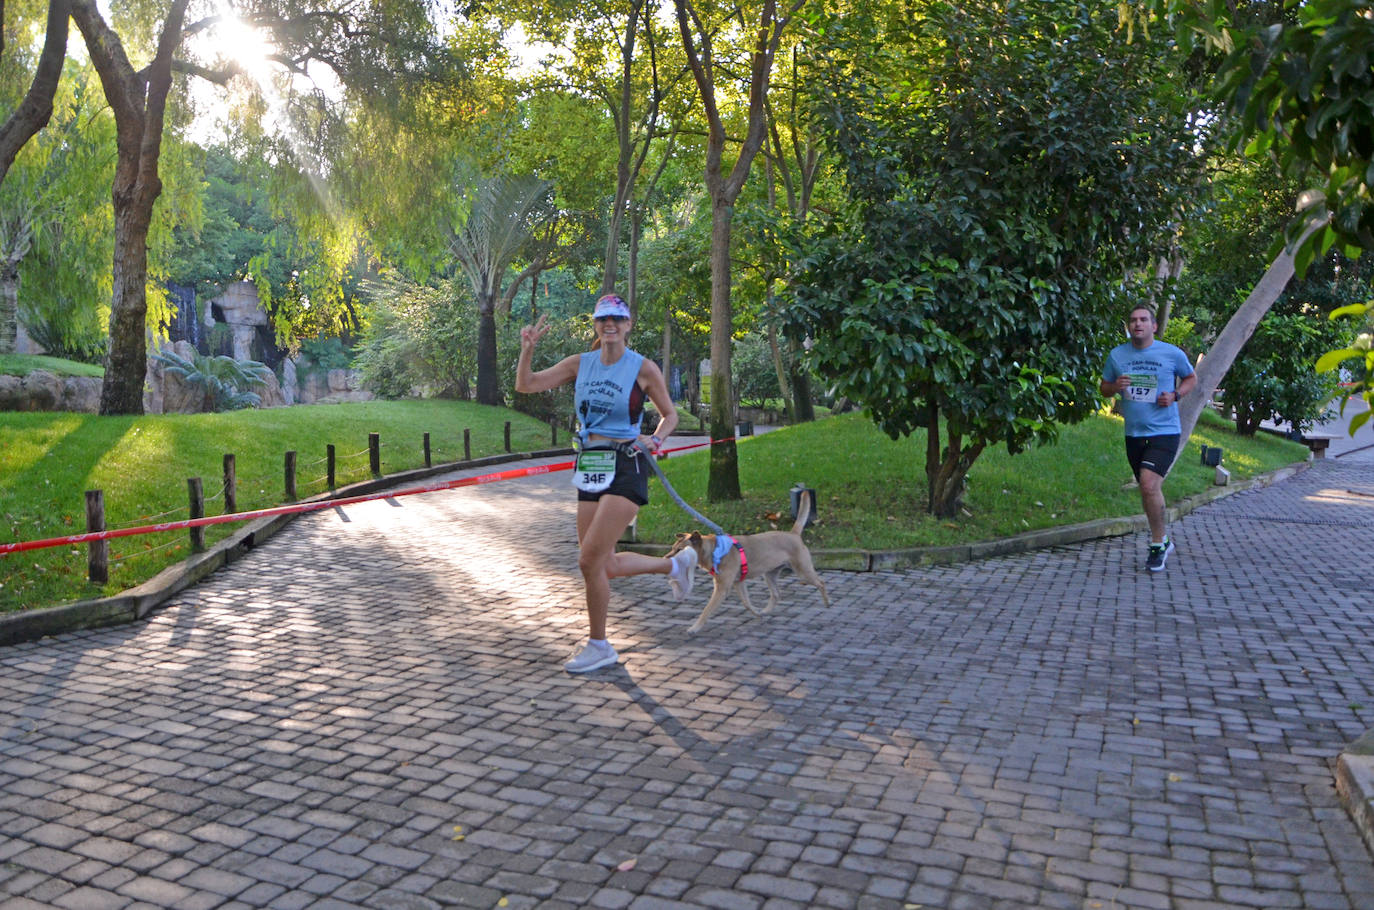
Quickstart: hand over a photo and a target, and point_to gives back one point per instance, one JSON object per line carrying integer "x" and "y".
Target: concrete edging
{"x": 137, "y": 602}
{"x": 1355, "y": 785}
{"x": 859, "y": 560}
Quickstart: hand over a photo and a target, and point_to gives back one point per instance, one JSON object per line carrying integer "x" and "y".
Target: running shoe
{"x": 1159, "y": 554}
{"x": 592, "y": 657}
{"x": 683, "y": 572}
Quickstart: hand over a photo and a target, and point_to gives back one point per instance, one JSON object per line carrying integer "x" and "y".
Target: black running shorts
{"x": 1153, "y": 453}
{"x": 631, "y": 480}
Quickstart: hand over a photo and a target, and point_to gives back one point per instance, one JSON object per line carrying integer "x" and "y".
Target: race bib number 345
{"x": 594, "y": 471}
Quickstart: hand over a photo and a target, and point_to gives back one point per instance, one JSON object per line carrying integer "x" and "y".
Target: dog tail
{"x": 803, "y": 512}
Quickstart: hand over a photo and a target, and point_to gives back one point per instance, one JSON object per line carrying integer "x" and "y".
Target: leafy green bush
{"x": 326, "y": 354}
{"x": 1274, "y": 378}
{"x": 417, "y": 337}
{"x": 225, "y": 383}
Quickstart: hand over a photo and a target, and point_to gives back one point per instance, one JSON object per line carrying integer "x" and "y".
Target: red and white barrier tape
{"x": 298, "y": 508}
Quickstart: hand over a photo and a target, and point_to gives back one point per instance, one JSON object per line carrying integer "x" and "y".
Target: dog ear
{"x": 695, "y": 537}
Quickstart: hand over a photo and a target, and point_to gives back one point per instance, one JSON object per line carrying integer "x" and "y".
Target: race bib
{"x": 594, "y": 470}
{"x": 1144, "y": 387}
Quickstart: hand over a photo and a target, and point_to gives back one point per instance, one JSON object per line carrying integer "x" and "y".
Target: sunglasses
{"x": 616, "y": 318}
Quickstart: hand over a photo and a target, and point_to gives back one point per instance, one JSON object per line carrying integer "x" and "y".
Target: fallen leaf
{"x": 627, "y": 865}
{"x": 1175, "y": 778}
{"x": 1135, "y": 721}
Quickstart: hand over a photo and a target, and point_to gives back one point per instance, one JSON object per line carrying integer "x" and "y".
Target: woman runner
{"x": 611, "y": 383}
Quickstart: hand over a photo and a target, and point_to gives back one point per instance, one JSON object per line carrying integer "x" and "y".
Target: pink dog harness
{"x": 723, "y": 545}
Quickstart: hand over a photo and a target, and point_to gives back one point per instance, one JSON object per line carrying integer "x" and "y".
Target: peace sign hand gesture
{"x": 530, "y": 334}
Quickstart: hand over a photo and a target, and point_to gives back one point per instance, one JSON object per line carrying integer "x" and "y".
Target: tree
{"x": 631, "y": 87}
{"x": 1006, "y": 164}
{"x": 498, "y": 226}
{"x": 54, "y": 229}
{"x": 417, "y": 336}
{"x": 33, "y": 112}
{"x": 1271, "y": 378}
{"x": 1275, "y": 379}
{"x": 1295, "y": 88}
{"x": 792, "y": 171}
{"x": 367, "y": 46}
{"x": 699, "y": 40}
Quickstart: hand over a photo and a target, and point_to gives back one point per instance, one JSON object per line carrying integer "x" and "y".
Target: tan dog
{"x": 764, "y": 554}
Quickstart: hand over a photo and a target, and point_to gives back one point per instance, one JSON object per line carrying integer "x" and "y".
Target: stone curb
{"x": 1355, "y": 784}
{"x": 859, "y": 560}
{"x": 137, "y": 602}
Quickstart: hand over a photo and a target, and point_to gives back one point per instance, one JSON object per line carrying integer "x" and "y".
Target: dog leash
{"x": 677, "y": 498}
{"x": 653, "y": 463}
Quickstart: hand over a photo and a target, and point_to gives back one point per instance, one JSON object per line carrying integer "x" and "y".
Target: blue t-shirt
{"x": 607, "y": 396}
{"x": 1155, "y": 369}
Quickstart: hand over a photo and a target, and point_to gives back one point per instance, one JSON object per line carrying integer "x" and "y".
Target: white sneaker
{"x": 592, "y": 657}
{"x": 683, "y": 572}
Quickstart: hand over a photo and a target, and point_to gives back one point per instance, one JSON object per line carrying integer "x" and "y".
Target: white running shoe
{"x": 592, "y": 657}
{"x": 683, "y": 572}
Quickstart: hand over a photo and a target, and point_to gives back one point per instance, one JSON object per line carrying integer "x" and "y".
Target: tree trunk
{"x": 948, "y": 482}
{"x": 139, "y": 102}
{"x": 801, "y": 386}
{"x": 1246, "y": 420}
{"x": 126, "y": 360}
{"x": 668, "y": 351}
{"x": 946, "y": 470}
{"x": 488, "y": 377}
{"x": 9, "y": 308}
{"x": 932, "y": 453}
{"x": 783, "y": 389}
{"x": 1238, "y": 330}
{"x": 33, "y": 113}
{"x": 723, "y": 480}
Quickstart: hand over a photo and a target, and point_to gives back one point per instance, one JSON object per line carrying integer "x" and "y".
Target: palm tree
{"x": 503, "y": 212}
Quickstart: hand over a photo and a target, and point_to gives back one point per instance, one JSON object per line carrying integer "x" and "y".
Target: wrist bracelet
{"x": 657, "y": 442}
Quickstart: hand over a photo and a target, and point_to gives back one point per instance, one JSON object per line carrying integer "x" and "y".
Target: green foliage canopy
{"x": 1006, "y": 164}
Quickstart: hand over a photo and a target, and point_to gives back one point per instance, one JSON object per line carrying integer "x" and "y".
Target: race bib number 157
{"x": 1144, "y": 387}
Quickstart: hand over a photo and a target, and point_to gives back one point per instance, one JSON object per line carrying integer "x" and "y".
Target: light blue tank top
{"x": 608, "y": 398}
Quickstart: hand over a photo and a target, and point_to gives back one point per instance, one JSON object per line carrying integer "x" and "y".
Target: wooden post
{"x": 290, "y": 476}
{"x": 427, "y": 461}
{"x": 196, "y": 492}
{"x": 467, "y": 444}
{"x": 231, "y": 486}
{"x": 374, "y": 453}
{"x": 507, "y": 435}
{"x": 98, "y": 553}
{"x": 329, "y": 461}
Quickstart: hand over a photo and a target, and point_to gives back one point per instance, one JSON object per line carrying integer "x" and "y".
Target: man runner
{"x": 1151, "y": 376}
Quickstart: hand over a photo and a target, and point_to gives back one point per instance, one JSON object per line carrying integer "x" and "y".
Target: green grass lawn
{"x": 24, "y": 364}
{"x": 871, "y": 489}
{"x": 49, "y": 460}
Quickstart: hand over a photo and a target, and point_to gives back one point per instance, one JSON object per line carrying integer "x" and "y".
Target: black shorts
{"x": 1154, "y": 453}
{"x": 631, "y": 480}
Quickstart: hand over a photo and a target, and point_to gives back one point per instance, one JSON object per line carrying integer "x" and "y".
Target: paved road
{"x": 369, "y": 711}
